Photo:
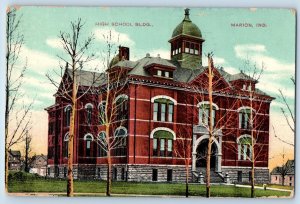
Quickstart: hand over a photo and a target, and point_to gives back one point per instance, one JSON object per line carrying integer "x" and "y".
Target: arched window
{"x": 102, "y": 140}
{"x": 122, "y": 106}
{"x": 89, "y": 111}
{"x": 88, "y": 140}
{"x": 163, "y": 142}
{"x": 102, "y": 107}
{"x": 244, "y": 117}
{"x": 244, "y": 147}
{"x": 66, "y": 145}
{"x": 204, "y": 114}
{"x": 163, "y": 108}
{"x": 67, "y": 111}
{"x": 120, "y": 141}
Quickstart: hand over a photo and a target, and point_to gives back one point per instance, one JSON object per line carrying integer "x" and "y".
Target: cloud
{"x": 38, "y": 61}
{"x": 54, "y": 43}
{"x": 218, "y": 61}
{"x": 257, "y": 53}
{"x": 116, "y": 37}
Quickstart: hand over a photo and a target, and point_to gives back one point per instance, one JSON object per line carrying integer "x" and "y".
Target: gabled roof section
{"x": 241, "y": 76}
{"x": 87, "y": 78}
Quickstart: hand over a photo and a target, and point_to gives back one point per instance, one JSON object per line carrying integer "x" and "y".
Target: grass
{"x": 30, "y": 183}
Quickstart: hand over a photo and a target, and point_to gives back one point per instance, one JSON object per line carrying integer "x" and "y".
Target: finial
{"x": 187, "y": 14}
{"x": 187, "y": 11}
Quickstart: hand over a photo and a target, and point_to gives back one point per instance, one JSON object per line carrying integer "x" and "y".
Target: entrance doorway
{"x": 202, "y": 154}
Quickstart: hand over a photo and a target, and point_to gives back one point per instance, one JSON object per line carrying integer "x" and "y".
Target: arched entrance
{"x": 201, "y": 154}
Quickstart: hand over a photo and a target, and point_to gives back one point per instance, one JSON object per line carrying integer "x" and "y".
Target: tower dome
{"x": 186, "y": 44}
{"x": 187, "y": 27}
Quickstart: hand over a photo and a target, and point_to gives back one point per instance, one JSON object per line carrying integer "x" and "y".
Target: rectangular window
{"x": 158, "y": 72}
{"x": 240, "y": 119}
{"x": 170, "y": 147}
{"x": 187, "y": 47}
{"x": 245, "y": 152}
{"x": 192, "y": 48}
{"x": 170, "y": 112}
{"x": 291, "y": 178}
{"x": 239, "y": 151}
{"x": 246, "y": 120}
{"x": 240, "y": 176}
{"x": 169, "y": 175}
{"x": 88, "y": 148}
{"x": 154, "y": 147}
{"x": 162, "y": 147}
{"x": 163, "y": 112}
{"x": 155, "y": 111}
{"x": 123, "y": 174}
{"x": 197, "y": 49}
{"x": 65, "y": 172}
{"x": 99, "y": 173}
{"x": 154, "y": 174}
{"x": 167, "y": 74}
{"x": 48, "y": 171}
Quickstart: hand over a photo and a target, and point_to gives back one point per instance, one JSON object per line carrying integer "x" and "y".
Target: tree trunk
{"x": 252, "y": 147}
{"x": 70, "y": 189}
{"x": 6, "y": 169}
{"x": 187, "y": 182}
{"x": 108, "y": 181}
{"x": 26, "y": 153}
{"x": 210, "y": 89}
{"x": 282, "y": 182}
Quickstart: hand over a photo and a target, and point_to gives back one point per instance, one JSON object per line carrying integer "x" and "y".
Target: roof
{"x": 186, "y": 27}
{"x": 88, "y": 78}
{"x": 290, "y": 165}
{"x": 242, "y": 76}
{"x": 15, "y": 153}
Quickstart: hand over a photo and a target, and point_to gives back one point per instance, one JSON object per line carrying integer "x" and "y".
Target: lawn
{"x": 36, "y": 184}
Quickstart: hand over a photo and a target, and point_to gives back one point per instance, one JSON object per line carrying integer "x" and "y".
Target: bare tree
{"x": 78, "y": 55}
{"x": 27, "y": 147}
{"x": 286, "y": 168}
{"x": 183, "y": 150}
{"x": 113, "y": 109}
{"x": 253, "y": 121}
{"x": 206, "y": 88}
{"x": 17, "y": 117}
{"x": 288, "y": 113}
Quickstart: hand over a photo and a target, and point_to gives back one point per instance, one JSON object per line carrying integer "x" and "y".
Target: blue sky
{"x": 274, "y": 45}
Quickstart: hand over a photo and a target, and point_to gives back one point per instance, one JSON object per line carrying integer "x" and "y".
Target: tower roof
{"x": 186, "y": 27}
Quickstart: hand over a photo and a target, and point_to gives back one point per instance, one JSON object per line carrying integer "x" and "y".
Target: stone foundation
{"x": 145, "y": 173}
{"x": 261, "y": 175}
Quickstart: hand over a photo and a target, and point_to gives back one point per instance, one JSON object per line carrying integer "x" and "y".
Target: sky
{"x": 273, "y": 45}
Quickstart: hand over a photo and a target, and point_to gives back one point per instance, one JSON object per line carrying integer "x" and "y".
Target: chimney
{"x": 123, "y": 53}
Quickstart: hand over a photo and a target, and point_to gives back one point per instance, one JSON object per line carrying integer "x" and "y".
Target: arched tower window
{"x": 120, "y": 135}
{"x": 244, "y": 147}
{"x": 163, "y": 141}
{"x": 103, "y": 144}
{"x": 245, "y": 117}
{"x": 66, "y": 145}
{"x": 67, "y": 111}
{"x": 89, "y": 112}
{"x": 101, "y": 110}
{"x": 204, "y": 113}
{"x": 88, "y": 140}
{"x": 163, "y": 108}
{"x": 122, "y": 106}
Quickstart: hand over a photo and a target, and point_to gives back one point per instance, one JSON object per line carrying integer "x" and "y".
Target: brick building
{"x": 164, "y": 114}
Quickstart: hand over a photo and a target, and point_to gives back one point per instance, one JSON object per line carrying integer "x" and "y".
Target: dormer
{"x": 243, "y": 82}
{"x": 158, "y": 67}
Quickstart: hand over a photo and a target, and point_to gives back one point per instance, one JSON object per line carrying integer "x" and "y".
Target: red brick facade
{"x": 162, "y": 101}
